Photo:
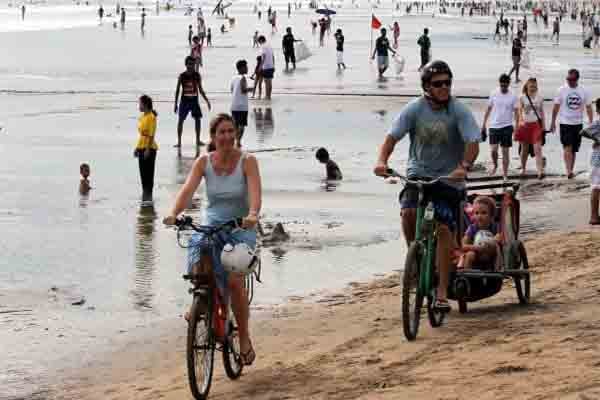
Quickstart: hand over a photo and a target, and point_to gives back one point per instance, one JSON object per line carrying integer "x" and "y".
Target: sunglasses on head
{"x": 440, "y": 83}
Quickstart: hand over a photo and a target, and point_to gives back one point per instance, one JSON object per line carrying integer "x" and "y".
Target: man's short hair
{"x": 322, "y": 154}
{"x": 240, "y": 64}
{"x": 573, "y": 71}
{"x": 261, "y": 39}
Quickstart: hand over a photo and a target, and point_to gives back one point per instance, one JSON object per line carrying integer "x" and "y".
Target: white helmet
{"x": 239, "y": 258}
{"x": 483, "y": 238}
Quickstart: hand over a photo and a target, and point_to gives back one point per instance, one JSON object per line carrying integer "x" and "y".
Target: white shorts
{"x": 340, "y": 57}
{"x": 595, "y": 177}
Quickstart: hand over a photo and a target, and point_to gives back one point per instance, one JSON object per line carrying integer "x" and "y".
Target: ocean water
{"x": 68, "y": 94}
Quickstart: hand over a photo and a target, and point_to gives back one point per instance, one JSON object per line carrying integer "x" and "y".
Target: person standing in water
{"x": 555, "y": 30}
{"x": 396, "y": 33}
{"x": 239, "y": 102}
{"x": 143, "y": 22}
{"x": 100, "y": 13}
{"x": 123, "y": 18}
{"x": 425, "y": 43}
{"x": 287, "y": 44}
{"x": 517, "y": 47}
{"x": 191, "y": 85}
{"x": 23, "y": 12}
{"x": 190, "y": 35}
{"x": 267, "y": 66}
{"x": 382, "y": 46}
{"x": 146, "y": 147}
{"x": 339, "y": 47}
{"x": 209, "y": 38}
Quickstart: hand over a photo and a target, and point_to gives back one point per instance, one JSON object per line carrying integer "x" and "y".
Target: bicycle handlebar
{"x": 185, "y": 221}
{"x": 392, "y": 173}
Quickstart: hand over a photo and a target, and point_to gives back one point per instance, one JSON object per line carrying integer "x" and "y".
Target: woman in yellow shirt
{"x": 146, "y": 147}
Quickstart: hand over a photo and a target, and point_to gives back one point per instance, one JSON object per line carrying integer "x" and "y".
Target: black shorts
{"x": 569, "y": 136}
{"x": 290, "y": 56}
{"x": 268, "y": 73}
{"x": 240, "y": 118}
{"x": 187, "y": 105}
{"x": 501, "y": 136}
{"x": 446, "y": 200}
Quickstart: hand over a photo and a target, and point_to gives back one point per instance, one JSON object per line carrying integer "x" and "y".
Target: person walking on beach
{"x": 143, "y": 22}
{"x": 23, "y": 12}
{"x": 339, "y": 47}
{"x": 267, "y": 65}
{"x": 322, "y": 30}
{"x": 257, "y": 76}
{"x": 255, "y": 40}
{"x": 396, "y": 33}
{"x": 191, "y": 85}
{"x": 287, "y": 44}
{"x": 190, "y": 35}
{"x": 146, "y": 147}
{"x": 531, "y": 126}
{"x": 208, "y": 38}
{"x": 569, "y": 104}
{"x": 502, "y": 107}
{"x": 517, "y": 47}
{"x": 123, "y": 16}
{"x": 239, "y": 102}
{"x": 100, "y": 13}
{"x": 382, "y": 47}
{"x": 444, "y": 141}
{"x": 425, "y": 43}
{"x": 196, "y": 53}
{"x": 556, "y": 30}
{"x": 201, "y": 26}
{"x": 233, "y": 190}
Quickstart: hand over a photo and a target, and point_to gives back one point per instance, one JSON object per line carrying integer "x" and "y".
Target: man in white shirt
{"x": 569, "y": 104}
{"x": 267, "y": 65}
{"x": 502, "y": 107}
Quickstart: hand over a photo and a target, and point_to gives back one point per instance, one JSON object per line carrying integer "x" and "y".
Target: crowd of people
{"x": 443, "y": 132}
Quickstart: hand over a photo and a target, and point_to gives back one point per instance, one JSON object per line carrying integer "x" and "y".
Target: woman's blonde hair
{"x": 526, "y": 84}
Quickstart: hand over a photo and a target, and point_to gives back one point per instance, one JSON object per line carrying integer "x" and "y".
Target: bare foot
{"x": 492, "y": 171}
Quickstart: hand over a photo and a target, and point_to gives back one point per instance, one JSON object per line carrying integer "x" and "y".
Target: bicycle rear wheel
{"x": 522, "y": 283}
{"x": 412, "y": 300}
{"x": 200, "y": 347}
{"x": 232, "y": 361}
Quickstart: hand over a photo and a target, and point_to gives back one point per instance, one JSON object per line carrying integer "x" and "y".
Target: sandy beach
{"x": 349, "y": 345}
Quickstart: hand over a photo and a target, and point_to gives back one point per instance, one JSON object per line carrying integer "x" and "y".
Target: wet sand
{"x": 350, "y": 345}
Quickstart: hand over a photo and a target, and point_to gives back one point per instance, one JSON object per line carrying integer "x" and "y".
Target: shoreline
{"x": 350, "y": 344}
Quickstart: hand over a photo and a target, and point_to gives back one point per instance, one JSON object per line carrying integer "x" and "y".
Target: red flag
{"x": 375, "y": 23}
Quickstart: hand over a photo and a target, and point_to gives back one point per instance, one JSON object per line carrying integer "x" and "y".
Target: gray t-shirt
{"x": 437, "y": 137}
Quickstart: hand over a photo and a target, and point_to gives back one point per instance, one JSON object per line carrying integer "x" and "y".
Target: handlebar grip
{"x": 183, "y": 220}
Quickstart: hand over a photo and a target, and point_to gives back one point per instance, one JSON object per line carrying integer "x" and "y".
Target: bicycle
{"x": 420, "y": 279}
{"x": 211, "y": 326}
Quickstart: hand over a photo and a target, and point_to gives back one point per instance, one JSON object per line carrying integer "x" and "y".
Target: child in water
{"x": 84, "y": 183}
{"x": 479, "y": 244}
{"x": 332, "y": 169}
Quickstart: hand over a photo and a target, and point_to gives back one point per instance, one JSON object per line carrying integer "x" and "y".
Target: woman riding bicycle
{"x": 233, "y": 190}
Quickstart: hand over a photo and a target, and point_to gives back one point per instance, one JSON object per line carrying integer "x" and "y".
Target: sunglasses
{"x": 572, "y": 79}
{"x": 440, "y": 83}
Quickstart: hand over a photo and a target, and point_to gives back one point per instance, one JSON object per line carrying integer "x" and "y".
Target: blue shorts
{"x": 268, "y": 73}
{"x": 199, "y": 246}
{"x": 187, "y": 105}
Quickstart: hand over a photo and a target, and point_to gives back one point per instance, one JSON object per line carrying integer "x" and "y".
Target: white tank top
{"x": 239, "y": 102}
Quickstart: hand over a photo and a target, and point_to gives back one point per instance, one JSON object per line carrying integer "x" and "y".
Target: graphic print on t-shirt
{"x": 574, "y": 102}
{"x": 431, "y": 132}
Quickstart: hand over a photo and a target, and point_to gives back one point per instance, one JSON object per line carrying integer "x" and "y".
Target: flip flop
{"x": 442, "y": 305}
{"x": 248, "y": 357}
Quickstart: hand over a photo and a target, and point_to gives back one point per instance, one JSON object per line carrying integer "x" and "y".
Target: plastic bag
{"x": 525, "y": 59}
{"x": 301, "y": 50}
{"x": 399, "y": 63}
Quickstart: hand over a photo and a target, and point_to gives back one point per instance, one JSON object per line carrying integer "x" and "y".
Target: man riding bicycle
{"x": 444, "y": 141}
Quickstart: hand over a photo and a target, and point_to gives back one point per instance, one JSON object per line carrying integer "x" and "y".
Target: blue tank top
{"x": 227, "y": 194}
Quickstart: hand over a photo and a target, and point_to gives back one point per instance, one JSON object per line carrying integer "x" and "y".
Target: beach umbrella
{"x": 325, "y": 11}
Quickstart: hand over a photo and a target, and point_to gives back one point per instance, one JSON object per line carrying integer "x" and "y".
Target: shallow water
{"x": 69, "y": 95}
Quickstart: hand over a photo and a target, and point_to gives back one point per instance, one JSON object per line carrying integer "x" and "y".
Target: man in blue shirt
{"x": 444, "y": 141}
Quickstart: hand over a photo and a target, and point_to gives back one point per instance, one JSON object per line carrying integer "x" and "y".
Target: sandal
{"x": 248, "y": 357}
{"x": 442, "y": 305}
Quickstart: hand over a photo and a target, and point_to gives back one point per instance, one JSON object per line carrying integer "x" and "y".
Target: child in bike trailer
{"x": 481, "y": 239}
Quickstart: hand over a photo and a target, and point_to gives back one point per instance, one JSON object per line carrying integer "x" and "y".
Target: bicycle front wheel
{"x": 232, "y": 360}
{"x": 412, "y": 300}
{"x": 200, "y": 347}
